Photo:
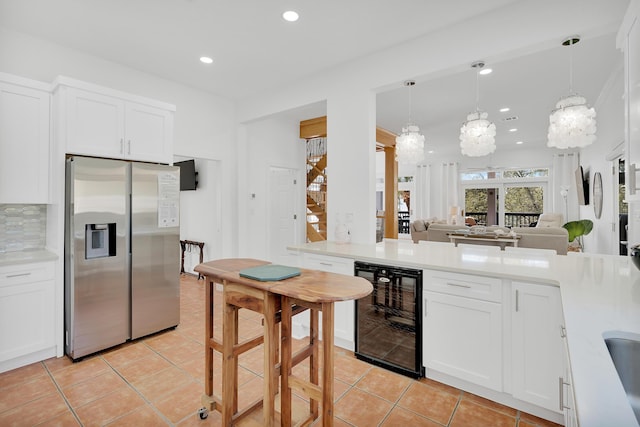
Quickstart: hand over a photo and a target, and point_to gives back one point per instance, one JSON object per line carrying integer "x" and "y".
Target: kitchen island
{"x": 600, "y": 297}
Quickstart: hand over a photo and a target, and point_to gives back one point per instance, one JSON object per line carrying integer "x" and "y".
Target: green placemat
{"x": 270, "y": 272}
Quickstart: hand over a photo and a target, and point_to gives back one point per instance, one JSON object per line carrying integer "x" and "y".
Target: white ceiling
{"x": 254, "y": 50}
{"x": 252, "y": 46}
{"x": 529, "y": 85}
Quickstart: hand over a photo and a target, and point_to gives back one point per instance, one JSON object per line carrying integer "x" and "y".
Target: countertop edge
{"x": 600, "y": 397}
{"x": 26, "y": 257}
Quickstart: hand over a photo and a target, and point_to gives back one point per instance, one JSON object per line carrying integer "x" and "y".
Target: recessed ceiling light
{"x": 206, "y": 60}
{"x": 513, "y": 130}
{"x": 519, "y": 142}
{"x": 290, "y": 16}
{"x": 430, "y": 151}
{"x": 504, "y": 110}
{"x": 485, "y": 71}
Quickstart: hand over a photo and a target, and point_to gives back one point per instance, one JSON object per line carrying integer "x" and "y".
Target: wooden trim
{"x": 385, "y": 137}
{"x": 317, "y": 128}
{"x": 390, "y": 193}
{"x": 313, "y": 128}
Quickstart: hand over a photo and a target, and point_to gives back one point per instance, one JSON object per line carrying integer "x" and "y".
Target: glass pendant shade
{"x": 410, "y": 145}
{"x": 572, "y": 124}
{"x": 477, "y": 135}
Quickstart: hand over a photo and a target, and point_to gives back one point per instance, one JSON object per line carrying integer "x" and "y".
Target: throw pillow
{"x": 418, "y": 225}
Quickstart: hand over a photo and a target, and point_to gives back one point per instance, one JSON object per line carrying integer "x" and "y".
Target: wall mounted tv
{"x": 582, "y": 186}
{"x": 188, "y": 175}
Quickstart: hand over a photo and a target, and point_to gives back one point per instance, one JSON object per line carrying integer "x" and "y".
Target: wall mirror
{"x": 597, "y": 194}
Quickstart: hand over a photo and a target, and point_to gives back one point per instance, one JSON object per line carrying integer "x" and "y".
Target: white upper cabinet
{"x": 104, "y": 123}
{"x": 24, "y": 140}
{"x": 149, "y": 132}
{"x": 629, "y": 42}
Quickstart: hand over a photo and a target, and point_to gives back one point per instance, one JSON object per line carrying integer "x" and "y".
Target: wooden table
{"x": 278, "y": 300}
{"x": 490, "y": 237}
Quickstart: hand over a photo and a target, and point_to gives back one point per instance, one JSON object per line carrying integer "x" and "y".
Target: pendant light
{"x": 572, "y": 123}
{"x": 410, "y": 143}
{"x": 477, "y": 134}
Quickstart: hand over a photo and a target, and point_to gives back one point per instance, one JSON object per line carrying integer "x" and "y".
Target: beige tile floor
{"x": 158, "y": 381}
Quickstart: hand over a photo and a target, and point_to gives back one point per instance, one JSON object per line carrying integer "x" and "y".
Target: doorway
{"x": 283, "y": 214}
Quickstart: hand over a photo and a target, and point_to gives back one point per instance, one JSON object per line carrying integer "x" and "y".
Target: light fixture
{"x": 477, "y": 134}
{"x": 513, "y": 130}
{"x": 206, "y": 60}
{"x": 290, "y": 16}
{"x": 519, "y": 142}
{"x": 410, "y": 143}
{"x": 572, "y": 123}
{"x": 504, "y": 109}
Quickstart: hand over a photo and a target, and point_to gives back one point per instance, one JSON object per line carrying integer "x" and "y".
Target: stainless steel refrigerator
{"x": 122, "y": 252}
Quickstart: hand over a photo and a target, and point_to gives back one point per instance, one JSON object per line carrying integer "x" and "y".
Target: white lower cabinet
{"x": 497, "y": 338}
{"x": 27, "y": 319}
{"x": 567, "y": 402}
{"x": 344, "y": 311}
{"x": 536, "y": 344}
{"x": 462, "y": 327}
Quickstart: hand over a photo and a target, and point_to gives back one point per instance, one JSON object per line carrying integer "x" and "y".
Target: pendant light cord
{"x": 571, "y": 66}
{"x": 477, "y": 90}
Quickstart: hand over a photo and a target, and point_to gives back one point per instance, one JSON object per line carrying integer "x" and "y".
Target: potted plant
{"x": 576, "y": 230}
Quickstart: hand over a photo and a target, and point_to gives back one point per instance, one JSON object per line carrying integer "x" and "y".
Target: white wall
{"x": 272, "y": 142}
{"x": 610, "y": 122}
{"x": 204, "y": 125}
{"x": 201, "y": 214}
{"x": 350, "y": 89}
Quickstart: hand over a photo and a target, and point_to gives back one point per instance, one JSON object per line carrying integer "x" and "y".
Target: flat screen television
{"x": 582, "y": 187}
{"x": 188, "y": 175}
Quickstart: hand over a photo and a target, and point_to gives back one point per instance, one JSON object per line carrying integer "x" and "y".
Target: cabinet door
{"x": 24, "y": 144}
{"x": 568, "y": 399}
{"x": 344, "y": 311}
{"x": 26, "y": 318}
{"x": 95, "y": 124}
{"x": 537, "y": 349}
{"x": 632, "y": 59}
{"x": 148, "y": 133}
{"x": 463, "y": 338}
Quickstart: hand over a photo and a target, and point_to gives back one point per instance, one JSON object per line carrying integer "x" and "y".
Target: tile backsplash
{"x": 22, "y": 227}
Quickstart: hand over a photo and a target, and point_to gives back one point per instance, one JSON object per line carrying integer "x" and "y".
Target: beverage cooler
{"x": 388, "y": 322}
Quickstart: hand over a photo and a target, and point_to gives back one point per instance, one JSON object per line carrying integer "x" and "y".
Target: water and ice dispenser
{"x": 100, "y": 240}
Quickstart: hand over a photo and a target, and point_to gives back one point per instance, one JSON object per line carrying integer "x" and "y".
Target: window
{"x": 506, "y": 197}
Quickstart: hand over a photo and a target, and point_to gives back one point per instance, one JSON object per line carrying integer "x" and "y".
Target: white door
{"x": 283, "y": 214}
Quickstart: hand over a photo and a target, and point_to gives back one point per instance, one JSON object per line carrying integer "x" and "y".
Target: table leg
{"x": 285, "y": 367}
{"x": 270, "y": 344}
{"x": 208, "y": 363}
{"x": 327, "y": 378}
{"x": 314, "y": 364}
{"x": 229, "y": 364}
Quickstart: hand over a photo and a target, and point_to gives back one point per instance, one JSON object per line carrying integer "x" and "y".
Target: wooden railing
{"x": 511, "y": 219}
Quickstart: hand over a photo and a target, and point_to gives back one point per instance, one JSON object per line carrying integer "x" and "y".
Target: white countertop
{"x": 600, "y": 295}
{"x": 27, "y": 256}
